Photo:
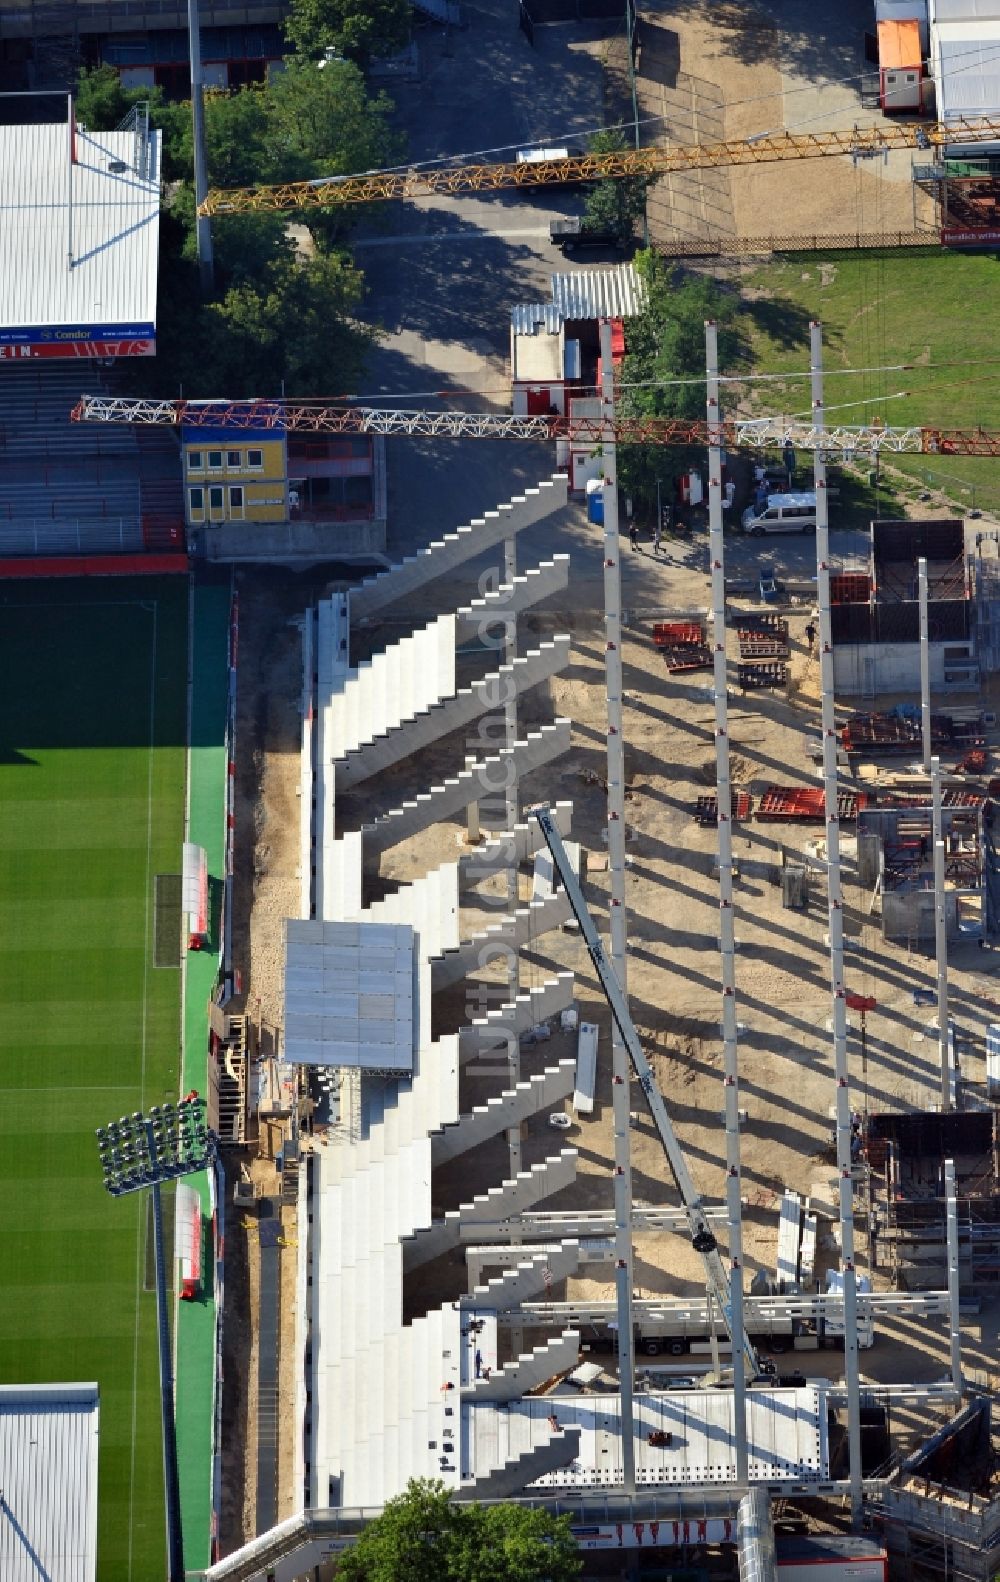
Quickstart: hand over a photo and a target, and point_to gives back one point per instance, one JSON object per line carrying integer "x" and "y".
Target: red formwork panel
{"x": 677, "y": 634}
{"x": 804, "y": 804}
{"x": 92, "y": 565}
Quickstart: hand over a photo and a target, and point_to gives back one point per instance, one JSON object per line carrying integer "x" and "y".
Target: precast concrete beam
{"x": 483, "y": 779}
{"x": 500, "y": 938}
{"x": 445, "y": 554}
{"x": 528, "y": 1010}
{"x": 500, "y": 1202}
{"x": 376, "y": 753}
{"x": 483, "y": 616}
{"x": 504, "y": 1110}
{"x": 510, "y": 847}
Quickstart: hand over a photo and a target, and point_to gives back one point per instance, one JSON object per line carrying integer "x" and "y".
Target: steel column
{"x": 727, "y": 940}
{"x": 618, "y": 920}
{"x": 852, "y": 1368}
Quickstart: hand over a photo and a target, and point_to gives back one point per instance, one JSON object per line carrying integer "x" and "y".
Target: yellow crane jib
{"x": 335, "y": 192}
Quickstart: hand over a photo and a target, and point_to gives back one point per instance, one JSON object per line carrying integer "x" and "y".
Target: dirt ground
{"x": 786, "y": 1078}
{"x": 707, "y": 72}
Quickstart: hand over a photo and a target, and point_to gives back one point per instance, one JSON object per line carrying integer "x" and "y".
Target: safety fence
{"x": 815, "y": 242}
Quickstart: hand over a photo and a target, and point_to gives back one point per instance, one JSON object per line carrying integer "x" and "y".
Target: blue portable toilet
{"x": 595, "y": 501}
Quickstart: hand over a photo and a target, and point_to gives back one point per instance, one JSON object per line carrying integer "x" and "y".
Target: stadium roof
{"x": 78, "y": 239}
{"x": 48, "y": 1482}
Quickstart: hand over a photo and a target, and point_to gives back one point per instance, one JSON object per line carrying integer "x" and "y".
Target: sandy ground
{"x": 708, "y": 72}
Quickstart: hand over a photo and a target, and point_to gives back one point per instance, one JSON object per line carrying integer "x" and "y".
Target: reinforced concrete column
{"x": 954, "y": 1323}
{"x": 835, "y": 897}
{"x": 941, "y": 936}
{"x": 619, "y": 926}
{"x": 727, "y": 939}
{"x": 925, "y": 666}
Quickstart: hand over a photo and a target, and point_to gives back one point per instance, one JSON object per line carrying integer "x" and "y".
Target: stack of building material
{"x": 804, "y": 804}
{"x": 706, "y": 808}
{"x": 683, "y": 645}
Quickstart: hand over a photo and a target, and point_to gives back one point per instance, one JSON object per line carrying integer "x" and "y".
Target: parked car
{"x": 572, "y": 236}
{"x": 783, "y": 513}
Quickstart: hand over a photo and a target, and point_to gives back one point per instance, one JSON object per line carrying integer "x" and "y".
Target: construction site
{"x": 588, "y": 931}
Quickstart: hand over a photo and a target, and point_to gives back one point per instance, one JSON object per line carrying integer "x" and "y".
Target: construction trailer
{"x": 900, "y": 66}
{"x": 907, "y": 1230}
{"x": 876, "y": 613}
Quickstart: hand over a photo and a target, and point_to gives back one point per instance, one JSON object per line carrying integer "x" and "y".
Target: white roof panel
{"x": 786, "y": 1430}
{"x": 78, "y": 240}
{"x": 967, "y": 69}
{"x": 349, "y": 994}
{"x": 48, "y": 1479}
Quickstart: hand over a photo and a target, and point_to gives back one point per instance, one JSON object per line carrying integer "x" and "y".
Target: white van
{"x": 784, "y": 513}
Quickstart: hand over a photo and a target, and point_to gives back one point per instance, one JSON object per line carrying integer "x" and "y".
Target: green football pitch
{"x": 92, "y": 767}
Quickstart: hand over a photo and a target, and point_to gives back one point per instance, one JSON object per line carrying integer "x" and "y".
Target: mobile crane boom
{"x": 335, "y": 192}
{"x": 702, "y": 1239}
{"x": 327, "y": 417}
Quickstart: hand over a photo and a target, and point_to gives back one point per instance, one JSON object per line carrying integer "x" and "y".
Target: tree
{"x": 666, "y": 343}
{"x": 359, "y": 29}
{"x": 619, "y": 203}
{"x": 425, "y": 1537}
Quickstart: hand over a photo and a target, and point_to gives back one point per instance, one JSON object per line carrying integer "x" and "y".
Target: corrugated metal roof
{"x": 966, "y": 10}
{"x": 967, "y": 69}
{"x": 349, "y": 994}
{"x": 48, "y": 1482}
{"x": 107, "y": 219}
{"x": 530, "y": 318}
{"x": 616, "y": 293}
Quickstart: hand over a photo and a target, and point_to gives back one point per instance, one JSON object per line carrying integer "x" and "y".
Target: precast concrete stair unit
{"x": 539, "y": 1092}
{"x": 485, "y": 617}
{"x": 441, "y": 802}
{"x": 499, "y": 1203}
{"x": 444, "y": 555}
{"x": 527, "y": 1371}
{"x": 517, "y": 1016}
{"x": 381, "y": 750}
{"x": 513, "y": 932}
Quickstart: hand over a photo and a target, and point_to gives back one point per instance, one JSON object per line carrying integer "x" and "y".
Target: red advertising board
{"x": 118, "y": 348}
{"x": 958, "y": 236}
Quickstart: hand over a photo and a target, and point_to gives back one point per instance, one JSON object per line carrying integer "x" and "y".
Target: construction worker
{"x": 633, "y": 535}
{"x": 657, "y": 538}
{"x": 810, "y": 635}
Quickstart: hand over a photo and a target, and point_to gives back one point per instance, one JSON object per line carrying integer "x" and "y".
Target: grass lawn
{"x": 881, "y": 308}
{"x": 92, "y": 765}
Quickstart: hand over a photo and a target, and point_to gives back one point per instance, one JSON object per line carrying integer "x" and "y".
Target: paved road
{"x": 443, "y": 274}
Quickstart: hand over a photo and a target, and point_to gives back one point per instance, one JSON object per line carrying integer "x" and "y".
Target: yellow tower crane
{"x": 858, "y": 142}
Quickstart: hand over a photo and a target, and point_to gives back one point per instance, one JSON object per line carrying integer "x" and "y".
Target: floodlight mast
{"x": 143, "y": 1151}
{"x": 702, "y": 1239}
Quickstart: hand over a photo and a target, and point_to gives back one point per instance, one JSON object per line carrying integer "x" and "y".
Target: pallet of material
{"x": 949, "y": 798}
{"x": 760, "y": 645}
{"x": 804, "y": 805}
{"x": 706, "y": 808}
{"x": 890, "y": 733}
{"x": 756, "y": 674}
{"x": 683, "y": 645}
{"x": 687, "y": 657}
{"x": 764, "y": 623}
